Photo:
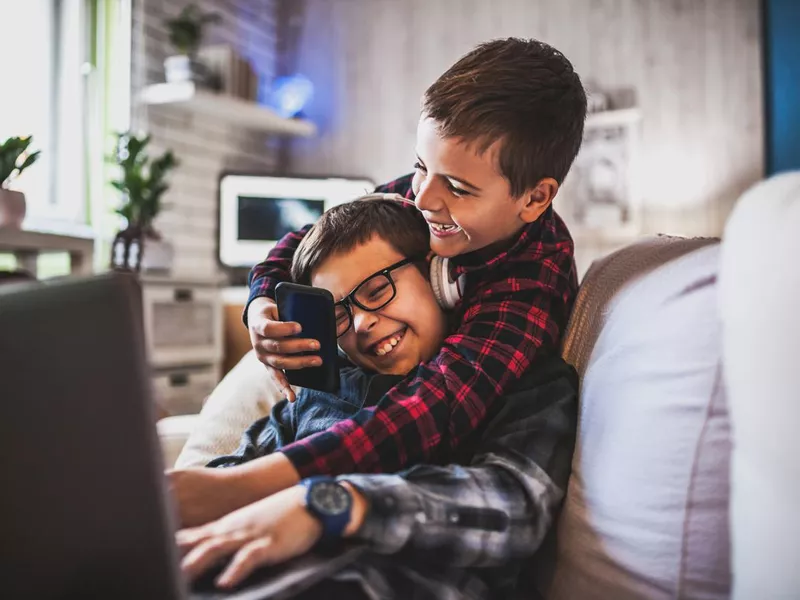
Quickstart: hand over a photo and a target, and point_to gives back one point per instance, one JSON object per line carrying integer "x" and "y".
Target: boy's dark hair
{"x": 343, "y": 227}
{"x": 522, "y": 92}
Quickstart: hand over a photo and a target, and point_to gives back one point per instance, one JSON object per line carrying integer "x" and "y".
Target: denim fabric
{"x": 313, "y": 411}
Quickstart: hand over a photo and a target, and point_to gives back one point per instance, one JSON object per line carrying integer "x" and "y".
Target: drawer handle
{"x": 178, "y": 379}
{"x": 183, "y": 295}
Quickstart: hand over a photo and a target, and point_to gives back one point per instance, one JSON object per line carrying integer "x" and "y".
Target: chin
{"x": 446, "y": 249}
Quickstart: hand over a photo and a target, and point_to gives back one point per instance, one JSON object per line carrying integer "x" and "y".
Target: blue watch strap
{"x": 333, "y": 522}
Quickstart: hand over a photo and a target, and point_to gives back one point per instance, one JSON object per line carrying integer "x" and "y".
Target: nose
{"x": 363, "y": 320}
{"x": 428, "y": 197}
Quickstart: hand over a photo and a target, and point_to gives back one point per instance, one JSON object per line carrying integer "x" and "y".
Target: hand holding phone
{"x": 276, "y": 345}
{"x": 313, "y": 309}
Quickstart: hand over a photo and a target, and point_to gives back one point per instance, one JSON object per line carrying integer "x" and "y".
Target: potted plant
{"x": 142, "y": 182}
{"x": 186, "y": 34}
{"x": 14, "y": 159}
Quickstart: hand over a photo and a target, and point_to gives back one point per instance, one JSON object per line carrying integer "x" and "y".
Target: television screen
{"x": 268, "y": 218}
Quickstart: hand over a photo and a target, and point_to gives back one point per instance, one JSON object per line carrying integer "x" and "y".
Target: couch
{"x": 684, "y": 484}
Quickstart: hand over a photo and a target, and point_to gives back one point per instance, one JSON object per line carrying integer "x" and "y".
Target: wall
{"x": 695, "y": 66}
{"x": 205, "y": 148}
{"x": 783, "y": 84}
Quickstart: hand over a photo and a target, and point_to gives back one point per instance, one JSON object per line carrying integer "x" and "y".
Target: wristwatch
{"x": 329, "y": 502}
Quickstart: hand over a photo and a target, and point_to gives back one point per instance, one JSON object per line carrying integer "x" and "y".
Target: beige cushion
{"x": 646, "y": 508}
{"x": 245, "y": 395}
{"x": 760, "y": 308}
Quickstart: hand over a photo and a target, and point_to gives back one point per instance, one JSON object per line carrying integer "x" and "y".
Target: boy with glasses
{"x": 387, "y": 318}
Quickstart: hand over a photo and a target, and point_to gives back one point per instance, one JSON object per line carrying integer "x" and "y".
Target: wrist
{"x": 358, "y": 509}
{"x": 265, "y": 476}
{"x": 257, "y": 306}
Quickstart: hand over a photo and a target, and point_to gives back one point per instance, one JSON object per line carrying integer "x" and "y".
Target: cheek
{"x": 348, "y": 344}
{"x": 416, "y": 182}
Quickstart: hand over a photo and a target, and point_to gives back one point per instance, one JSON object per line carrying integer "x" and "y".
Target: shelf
{"x": 613, "y": 118}
{"x": 27, "y": 244}
{"x": 227, "y": 109}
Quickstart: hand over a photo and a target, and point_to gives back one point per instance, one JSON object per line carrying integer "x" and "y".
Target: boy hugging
{"x": 477, "y": 418}
{"x": 490, "y": 507}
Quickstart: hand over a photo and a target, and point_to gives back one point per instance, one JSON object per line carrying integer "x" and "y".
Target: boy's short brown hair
{"x": 343, "y": 227}
{"x": 522, "y": 92}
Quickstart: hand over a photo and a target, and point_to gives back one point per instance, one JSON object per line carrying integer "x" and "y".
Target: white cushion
{"x": 245, "y": 395}
{"x": 646, "y": 510}
{"x": 173, "y": 433}
{"x": 760, "y": 308}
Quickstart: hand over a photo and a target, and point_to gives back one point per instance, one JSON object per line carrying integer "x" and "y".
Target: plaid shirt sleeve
{"x": 497, "y": 509}
{"x": 265, "y": 276}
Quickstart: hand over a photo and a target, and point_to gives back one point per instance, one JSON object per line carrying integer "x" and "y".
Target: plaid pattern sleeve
{"x": 491, "y": 513}
{"x": 514, "y": 313}
{"x": 265, "y": 276}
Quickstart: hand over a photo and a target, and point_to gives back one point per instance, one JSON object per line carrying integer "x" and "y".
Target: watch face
{"x": 329, "y": 498}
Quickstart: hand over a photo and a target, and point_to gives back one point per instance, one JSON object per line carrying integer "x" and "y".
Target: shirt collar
{"x": 529, "y": 244}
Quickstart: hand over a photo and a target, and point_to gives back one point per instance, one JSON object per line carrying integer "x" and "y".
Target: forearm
{"x": 257, "y": 479}
{"x": 454, "y": 516}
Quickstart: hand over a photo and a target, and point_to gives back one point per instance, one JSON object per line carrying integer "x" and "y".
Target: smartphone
{"x": 313, "y": 308}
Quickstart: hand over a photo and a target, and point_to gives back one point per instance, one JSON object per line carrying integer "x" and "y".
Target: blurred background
{"x": 692, "y": 102}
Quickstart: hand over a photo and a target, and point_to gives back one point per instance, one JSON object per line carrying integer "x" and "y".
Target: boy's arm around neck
{"x": 507, "y": 327}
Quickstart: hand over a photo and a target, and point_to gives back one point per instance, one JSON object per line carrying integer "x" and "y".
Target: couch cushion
{"x": 760, "y": 307}
{"x": 646, "y": 509}
{"x": 245, "y": 395}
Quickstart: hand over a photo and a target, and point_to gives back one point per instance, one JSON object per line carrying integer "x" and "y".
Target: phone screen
{"x": 313, "y": 308}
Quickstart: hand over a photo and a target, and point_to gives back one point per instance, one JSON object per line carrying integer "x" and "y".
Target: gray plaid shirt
{"x": 464, "y": 531}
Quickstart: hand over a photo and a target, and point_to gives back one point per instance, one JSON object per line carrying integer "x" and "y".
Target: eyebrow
{"x": 458, "y": 179}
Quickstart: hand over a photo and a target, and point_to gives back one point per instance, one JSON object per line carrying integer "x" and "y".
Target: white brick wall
{"x": 205, "y": 148}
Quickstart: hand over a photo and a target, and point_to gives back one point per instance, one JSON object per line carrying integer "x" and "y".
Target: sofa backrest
{"x": 646, "y": 513}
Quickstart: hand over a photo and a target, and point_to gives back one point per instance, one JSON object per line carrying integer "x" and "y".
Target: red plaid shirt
{"x": 514, "y": 310}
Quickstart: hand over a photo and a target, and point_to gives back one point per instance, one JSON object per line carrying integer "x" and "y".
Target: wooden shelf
{"x": 27, "y": 244}
{"x": 227, "y": 109}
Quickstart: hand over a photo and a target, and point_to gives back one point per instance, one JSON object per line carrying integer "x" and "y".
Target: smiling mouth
{"x": 443, "y": 230}
{"x": 387, "y": 344}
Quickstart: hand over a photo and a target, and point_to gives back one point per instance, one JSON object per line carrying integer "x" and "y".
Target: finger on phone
{"x": 292, "y": 363}
{"x": 277, "y": 329}
{"x": 289, "y": 346}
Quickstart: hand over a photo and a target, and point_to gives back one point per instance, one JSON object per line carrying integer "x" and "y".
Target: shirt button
{"x": 420, "y": 518}
{"x": 453, "y": 518}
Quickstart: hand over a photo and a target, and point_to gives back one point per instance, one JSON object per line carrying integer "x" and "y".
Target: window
{"x": 26, "y": 104}
{"x": 67, "y": 83}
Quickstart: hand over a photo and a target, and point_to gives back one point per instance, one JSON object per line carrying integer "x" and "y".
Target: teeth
{"x": 389, "y": 345}
{"x": 440, "y": 227}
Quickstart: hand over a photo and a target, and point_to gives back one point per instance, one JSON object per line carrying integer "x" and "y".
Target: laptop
{"x": 84, "y": 511}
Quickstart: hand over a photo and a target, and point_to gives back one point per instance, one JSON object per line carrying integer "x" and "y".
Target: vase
{"x": 182, "y": 68}
{"x": 12, "y": 208}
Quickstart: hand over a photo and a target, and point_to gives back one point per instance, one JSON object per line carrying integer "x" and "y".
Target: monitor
{"x": 255, "y": 211}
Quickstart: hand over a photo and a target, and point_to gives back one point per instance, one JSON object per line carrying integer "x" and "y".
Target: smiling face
{"x": 407, "y": 331}
{"x": 464, "y": 196}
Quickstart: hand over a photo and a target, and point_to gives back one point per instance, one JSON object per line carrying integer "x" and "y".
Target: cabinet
{"x": 183, "y": 337}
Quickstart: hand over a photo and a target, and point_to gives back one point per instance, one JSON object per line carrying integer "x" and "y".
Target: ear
{"x": 536, "y": 200}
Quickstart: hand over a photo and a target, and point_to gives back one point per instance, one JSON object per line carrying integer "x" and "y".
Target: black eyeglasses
{"x": 372, "y": 294}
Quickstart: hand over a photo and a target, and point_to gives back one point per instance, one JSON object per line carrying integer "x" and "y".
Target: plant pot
{"x": 133, "y": 250}
{"x": 12, "y": 208}
{"x": 181, "y": 68}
